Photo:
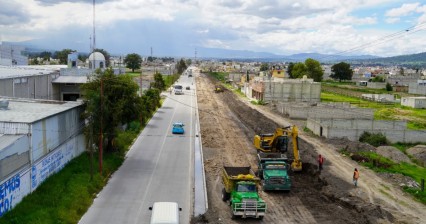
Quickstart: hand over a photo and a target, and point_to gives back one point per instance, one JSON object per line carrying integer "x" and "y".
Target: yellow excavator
{"x": 278, "y": 142}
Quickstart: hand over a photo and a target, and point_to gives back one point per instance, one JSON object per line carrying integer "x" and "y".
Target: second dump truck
{"x": 273, "y": 170}
{"x": 240, "y": 188}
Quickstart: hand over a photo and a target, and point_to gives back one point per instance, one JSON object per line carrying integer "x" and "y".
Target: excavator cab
{"x": 281, "y": 144}
{"x": 278, "y": 143}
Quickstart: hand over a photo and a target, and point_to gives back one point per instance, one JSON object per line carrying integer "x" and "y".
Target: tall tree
{"x": 120, "y": 104}
{"x": 133, "y": 61}
{"x": 159, "y": 81}
{"x": 264, "y": 67}
{"x": 181, "y": 66}
{"x": 299, "y": 70}
{"x": 106, "y": 55}
{"x": 314, "y": 69}
{"x": 341, "y": 71}
{"x": 46, "y": 55}
{"x": 62, "y": 56}
{"x": 290, "y": 70}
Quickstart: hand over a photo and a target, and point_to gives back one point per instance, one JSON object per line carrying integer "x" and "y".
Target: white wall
{"x": 26, "y": 180}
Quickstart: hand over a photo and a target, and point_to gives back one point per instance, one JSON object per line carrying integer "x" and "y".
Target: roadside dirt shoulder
{"x": 228, "y": 125}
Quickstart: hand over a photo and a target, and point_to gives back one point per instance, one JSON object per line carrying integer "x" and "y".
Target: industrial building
{"x": 37, "y": 139}
{"x": 31, "y": 82}
{"x": 11, "y": 55}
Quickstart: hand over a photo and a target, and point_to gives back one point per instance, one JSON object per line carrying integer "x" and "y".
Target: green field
{"x": 416, "y": 118}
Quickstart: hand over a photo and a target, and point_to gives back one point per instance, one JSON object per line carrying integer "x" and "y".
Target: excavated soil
{"x": 227, "y": 128}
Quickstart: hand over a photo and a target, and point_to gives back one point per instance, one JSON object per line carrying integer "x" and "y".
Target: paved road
{"x": 159, "y": 167}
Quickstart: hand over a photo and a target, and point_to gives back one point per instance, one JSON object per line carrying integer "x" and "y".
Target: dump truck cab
{"x": 275, "y": 176}
{"x": 240, "y": 188}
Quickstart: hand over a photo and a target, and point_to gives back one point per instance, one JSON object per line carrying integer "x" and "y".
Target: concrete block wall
{"x": 395, "y": 131}
{"x": 414, "y": 88}
{"x": 328, "y": 112}
{"x": 376, "y": 85}
{"x": 292, "y": 91}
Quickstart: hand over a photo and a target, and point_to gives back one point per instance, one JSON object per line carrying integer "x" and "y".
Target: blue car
{"x": 178, "y": 128}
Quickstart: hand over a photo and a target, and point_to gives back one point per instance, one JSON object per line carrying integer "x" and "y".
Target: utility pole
{"x": 101, "y": 127}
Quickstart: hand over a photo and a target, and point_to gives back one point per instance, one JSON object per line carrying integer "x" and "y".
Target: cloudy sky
{"x": 178, "y": 27}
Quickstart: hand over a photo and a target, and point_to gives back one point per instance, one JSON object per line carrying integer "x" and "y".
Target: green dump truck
{"x": 240, "y": 188}
{"x": 273, "y": 170}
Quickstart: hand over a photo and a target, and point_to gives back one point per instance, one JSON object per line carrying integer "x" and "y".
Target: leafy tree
{"x": 299, "y": 70}
{"x": 314, "y": 69}
{"x": 34, "y": 61}
{"x": 62, "y": 56}
{"x": 378, "y": 79}
{"x": 106, "y": 55}
{"x": 181, "y": 66}
{"x": 83, "y": 57}
{"x": 133, "y": 61}
{"x": 159, "y": 81}
{"x": 389, "y": 87}
{"x": 342, "y": 71}
{"x": 119, "y": 104}
{"x": 188, "y": 62}
{"x": 46, "y": 55}
{"x": 290, "y": 70}
{"x": 264, "y": 67}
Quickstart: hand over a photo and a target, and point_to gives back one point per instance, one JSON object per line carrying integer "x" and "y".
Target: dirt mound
{"x": 400, "y": 180}
{"x": 314, "y": 198}
{"x": 418, "y": 152}
{"x": 350, "y": 146}
{"x": 393, "y": 153}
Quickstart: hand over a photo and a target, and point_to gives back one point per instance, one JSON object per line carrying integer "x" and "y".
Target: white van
{"x": 165, "y": 213}
{"x": 178, "y": 89}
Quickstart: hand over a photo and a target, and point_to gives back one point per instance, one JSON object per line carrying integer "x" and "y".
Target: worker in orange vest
{"x": 320, "y": 162}
{"x": 356, "y": 176}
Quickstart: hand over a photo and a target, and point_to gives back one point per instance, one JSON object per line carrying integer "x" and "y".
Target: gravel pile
{"x": 399, "y": 179}
{"x": 418, "y": 152}
{"x": 393, "y": 153}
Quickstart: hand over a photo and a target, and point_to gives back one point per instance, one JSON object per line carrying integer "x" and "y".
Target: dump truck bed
{"x": 231, "y": 175}
{"x": 271, "y": 156}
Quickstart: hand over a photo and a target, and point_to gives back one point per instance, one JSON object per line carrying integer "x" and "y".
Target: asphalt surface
{"x": 158, "y": 167}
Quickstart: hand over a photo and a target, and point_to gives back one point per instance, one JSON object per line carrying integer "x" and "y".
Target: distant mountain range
{"x": 266, "y": 56}
{"x": 412, "y": 60}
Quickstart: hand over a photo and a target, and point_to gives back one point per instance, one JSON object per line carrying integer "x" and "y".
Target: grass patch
{"x": 416, "y": 118}
{"x": 170, "y": 79}
{"x": 65, "y": 196}
{"x": 379, "y": 163}
{"x": 133, "y": 74}
{"x": 418, "y": 194}
{"x": 221, "y": 76}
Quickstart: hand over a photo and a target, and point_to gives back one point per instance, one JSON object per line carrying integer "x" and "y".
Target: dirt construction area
{"x": 228, "y": 124}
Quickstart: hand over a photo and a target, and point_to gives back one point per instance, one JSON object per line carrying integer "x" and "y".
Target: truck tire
{"x": 261, "y": 217}
{"x": 225, "y": 195}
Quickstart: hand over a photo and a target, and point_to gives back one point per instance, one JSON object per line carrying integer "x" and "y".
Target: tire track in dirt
{"x": 236, "y": 149}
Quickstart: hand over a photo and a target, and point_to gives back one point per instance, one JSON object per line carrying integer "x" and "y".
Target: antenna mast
{"x": 94, "y": 32}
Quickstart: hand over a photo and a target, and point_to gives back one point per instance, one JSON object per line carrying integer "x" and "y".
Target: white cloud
{"x": 324, "y": 26}
{"x": 404, "y": 10}
{"x": 393, "y": 20}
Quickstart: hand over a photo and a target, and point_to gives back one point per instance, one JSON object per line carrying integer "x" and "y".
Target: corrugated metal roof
{"x": 29, "y": 111}
{"x": 6, "y": 140}
{"x": 70, "y": 79}
{"x": 23, "y": 71}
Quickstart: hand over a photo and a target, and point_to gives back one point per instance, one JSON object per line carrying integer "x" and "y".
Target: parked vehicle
{"x": 178, "y": 128}
{"x": 240, "y": 188}
{"x": 273, "y": 170}
{"x": 165, "y": 212}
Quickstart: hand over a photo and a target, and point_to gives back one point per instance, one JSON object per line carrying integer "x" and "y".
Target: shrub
{"x": 373, "y": 139}
{"x": 389, "y": 87}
